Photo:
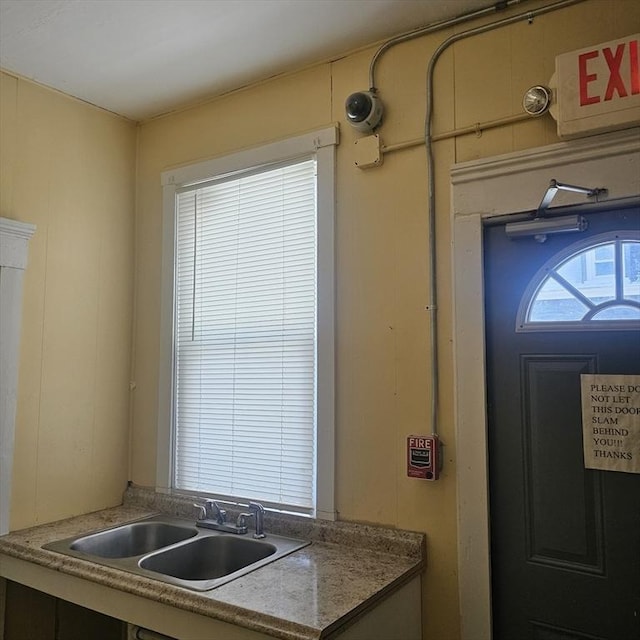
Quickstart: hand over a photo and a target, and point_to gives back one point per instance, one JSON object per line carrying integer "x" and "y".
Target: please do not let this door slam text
{"x": 611, "y": 422}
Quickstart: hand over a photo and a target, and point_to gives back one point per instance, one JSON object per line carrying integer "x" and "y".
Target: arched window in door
{"x": 592, "y": 285}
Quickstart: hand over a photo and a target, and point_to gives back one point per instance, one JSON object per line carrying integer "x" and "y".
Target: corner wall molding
{"x": 14, "y": 237}
{"x": 14, "y": 247}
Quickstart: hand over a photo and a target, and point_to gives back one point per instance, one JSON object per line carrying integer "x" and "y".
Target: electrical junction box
{"x": 368, "y": 153}
{"x": 423, "y": 457}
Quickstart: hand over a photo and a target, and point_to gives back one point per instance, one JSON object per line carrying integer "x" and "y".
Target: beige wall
{"x": 69, "y": 168}
{"x": 382, "y": 262}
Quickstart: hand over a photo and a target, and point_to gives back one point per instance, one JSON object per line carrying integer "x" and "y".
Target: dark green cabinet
{"x": 33, "y": 615}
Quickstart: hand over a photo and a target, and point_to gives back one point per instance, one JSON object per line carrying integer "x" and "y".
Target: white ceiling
{"x": 141, "y": 58}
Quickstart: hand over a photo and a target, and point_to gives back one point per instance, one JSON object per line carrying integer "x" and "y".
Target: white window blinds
{"x": 245, "y": 337}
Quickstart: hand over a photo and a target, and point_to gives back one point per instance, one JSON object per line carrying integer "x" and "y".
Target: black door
{"x": 565, "y": 540}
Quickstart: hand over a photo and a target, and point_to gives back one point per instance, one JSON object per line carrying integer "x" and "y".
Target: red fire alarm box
{"x": 423, "y": 457}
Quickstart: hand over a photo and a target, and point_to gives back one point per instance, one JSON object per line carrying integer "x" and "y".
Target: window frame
{"x": 322, "y": 144}
{"x": 523, "y": 325}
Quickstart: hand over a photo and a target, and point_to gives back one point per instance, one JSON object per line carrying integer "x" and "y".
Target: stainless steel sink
{"x": 209, "y": 557}
{"x": 133, "y": 539}
{"x": 175, "y": 551}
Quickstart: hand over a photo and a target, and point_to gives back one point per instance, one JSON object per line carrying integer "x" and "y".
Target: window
{"x": 590, "y": 286}
{"x": 248, "y": 327}
{"x": 603, "y": 259}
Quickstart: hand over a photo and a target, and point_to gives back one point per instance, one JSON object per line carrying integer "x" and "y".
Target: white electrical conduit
{"x": 432, "y": 28}
{"x": 428, "y": 139}
{"x": 477, "y": 128}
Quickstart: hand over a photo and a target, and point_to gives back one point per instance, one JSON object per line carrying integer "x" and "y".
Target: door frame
{"x": 501, "y": 185}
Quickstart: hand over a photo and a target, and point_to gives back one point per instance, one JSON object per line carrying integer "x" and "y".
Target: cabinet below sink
{"x": 35, "y": 614}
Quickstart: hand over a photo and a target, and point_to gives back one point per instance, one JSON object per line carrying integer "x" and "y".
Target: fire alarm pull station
{"x": 423, "y": 457}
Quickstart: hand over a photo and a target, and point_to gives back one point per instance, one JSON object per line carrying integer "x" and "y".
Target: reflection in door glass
{"x": 592, "y": 273}
{"x": 600, "y": 283}
{"x": 618, "y": 312}
{"x": 631, "y": 270}
{"x": 555, "y": 303}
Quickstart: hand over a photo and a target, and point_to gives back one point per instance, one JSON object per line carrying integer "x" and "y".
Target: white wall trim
{"x": 494, "y": 186}
{"x": 517, "y": 181}
{"x": 14, "y": 239}
{"x": 254, "y": 157}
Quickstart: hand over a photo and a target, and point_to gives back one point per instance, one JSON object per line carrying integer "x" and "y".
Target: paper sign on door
{"x": 611, "y": 422}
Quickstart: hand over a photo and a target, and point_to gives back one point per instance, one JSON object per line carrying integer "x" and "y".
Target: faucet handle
{"x": 241, "y": 523}
{"x": 202, "y": 512}
{"x": 220, "y": 515}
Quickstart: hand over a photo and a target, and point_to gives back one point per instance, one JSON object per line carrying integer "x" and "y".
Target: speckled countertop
{"x": 306, "y": 595}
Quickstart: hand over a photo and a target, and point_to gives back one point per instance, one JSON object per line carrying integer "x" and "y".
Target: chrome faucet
{"x": 211, "y": 516}
{"x": 258, "y": 512}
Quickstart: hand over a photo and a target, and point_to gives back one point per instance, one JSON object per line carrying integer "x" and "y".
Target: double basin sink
{"x": 176, "y": 551}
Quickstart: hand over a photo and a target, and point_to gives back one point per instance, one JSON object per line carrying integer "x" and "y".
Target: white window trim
{"x": 322, "y": 143}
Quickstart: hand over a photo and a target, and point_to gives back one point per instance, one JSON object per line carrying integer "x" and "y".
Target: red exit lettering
{"x": 615, "y": 83}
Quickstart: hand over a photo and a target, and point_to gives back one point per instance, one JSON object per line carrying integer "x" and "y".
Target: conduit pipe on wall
{"x": 428, "y": 140}
{"x": 432, "y": 28}
{"x": 477, "y": 128}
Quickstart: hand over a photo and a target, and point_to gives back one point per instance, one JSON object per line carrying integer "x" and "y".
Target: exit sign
{"x": 598, "y": 88}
